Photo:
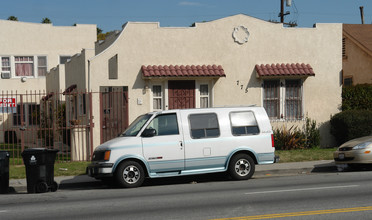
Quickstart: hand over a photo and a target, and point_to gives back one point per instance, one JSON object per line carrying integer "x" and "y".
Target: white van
{"x": 185, "y": 142}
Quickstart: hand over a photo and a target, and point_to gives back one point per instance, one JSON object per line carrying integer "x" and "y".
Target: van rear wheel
{"x": 130, "y": 174}
{"x": 241, "y": 167}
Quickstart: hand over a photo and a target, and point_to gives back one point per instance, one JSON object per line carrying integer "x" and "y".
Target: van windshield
{"x": 136, "y": 126}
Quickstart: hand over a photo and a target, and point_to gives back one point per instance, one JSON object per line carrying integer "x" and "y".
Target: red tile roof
{"x": 182, "y": 71}
{"x": 294, "y": 69}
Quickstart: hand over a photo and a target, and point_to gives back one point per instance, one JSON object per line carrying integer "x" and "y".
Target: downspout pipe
{"x": 88, "y": 75}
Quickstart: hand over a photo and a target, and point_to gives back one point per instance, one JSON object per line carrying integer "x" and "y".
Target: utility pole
{"x": 281, "y": 11}
{"x": 361, "y": 13}
{"x": 282, "y": 14}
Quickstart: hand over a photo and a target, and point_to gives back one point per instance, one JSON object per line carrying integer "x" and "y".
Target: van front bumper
{"x": 100, "y": 169}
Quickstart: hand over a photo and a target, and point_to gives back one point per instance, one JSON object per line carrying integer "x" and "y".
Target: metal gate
{"x": 39, "y": 120}
{"x": 60, "y": 120}
{"x": 113, "y": 111}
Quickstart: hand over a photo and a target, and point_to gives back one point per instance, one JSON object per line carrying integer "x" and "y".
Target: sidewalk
{"x": 318, "y": 166}
{"x": 277, "y": 169}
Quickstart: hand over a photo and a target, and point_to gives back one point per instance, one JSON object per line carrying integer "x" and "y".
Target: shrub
{"x": 288, "y": 139}
{"x": 312, "y": 134}
{"x": 294, "y": 138}
{"x": 351, "y": 124}
{"x": 357, "y": 97}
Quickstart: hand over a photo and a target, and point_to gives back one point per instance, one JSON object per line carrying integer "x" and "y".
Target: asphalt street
{"x": 320, "y": 194}
{"x": 277, "y": 169}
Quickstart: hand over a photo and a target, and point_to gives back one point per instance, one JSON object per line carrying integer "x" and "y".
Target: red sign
{"x": 8, "y": 102}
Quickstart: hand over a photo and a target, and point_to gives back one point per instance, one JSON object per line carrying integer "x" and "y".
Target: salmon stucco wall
{"x": 357, "y": 63}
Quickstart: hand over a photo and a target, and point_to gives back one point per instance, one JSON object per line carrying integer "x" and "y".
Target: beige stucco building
{"x": 357, "y": 54}
{"x": 27, "y": 52}
{"x": 238, "y": 60}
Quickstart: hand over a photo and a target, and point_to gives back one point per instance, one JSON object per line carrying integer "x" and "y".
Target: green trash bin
{"x": 4, "y": 172}
{"x": 39, "y": 163}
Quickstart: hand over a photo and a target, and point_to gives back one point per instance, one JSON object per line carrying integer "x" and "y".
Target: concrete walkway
{"x": 277, "y": 169}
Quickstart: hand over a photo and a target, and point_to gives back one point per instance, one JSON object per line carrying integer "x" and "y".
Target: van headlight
{"x": 101, "y": 155}
{"x": 361, "y": 146}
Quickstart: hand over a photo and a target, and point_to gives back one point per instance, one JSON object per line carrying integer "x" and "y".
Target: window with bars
{"x": 271, "y": 98}
{"x": 293, "y": 99}
{"x": 204, "y": 96}
{"x": 282, "y": 99}
{"x": 348, "y": 81}
{"x": 157, "y": 97}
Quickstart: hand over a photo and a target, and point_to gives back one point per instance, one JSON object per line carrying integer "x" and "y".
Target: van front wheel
{"x": 241, "y": 167}
{"x": 130, "y": 174}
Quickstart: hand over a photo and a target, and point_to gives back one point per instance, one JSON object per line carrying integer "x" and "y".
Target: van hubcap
{"x": 131, "y": 174}
{"x": 242, "y": 167}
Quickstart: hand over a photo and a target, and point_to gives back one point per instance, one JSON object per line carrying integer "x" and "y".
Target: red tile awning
{"x": 278, "y": 70}
{"x": 69, "y": 89}
{"x": 45, "y": 98}
{"x": 182, "y": 71}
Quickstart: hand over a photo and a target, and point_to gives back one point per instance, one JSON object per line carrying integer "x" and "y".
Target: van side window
{"x": 243, "y": 123}
{"x": 165, "y": 124}
{"x": 204, "y": 126}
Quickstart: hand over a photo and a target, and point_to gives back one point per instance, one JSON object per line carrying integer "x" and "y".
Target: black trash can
{"x": 4, "y": 172}
{"x": 39, "y": 164}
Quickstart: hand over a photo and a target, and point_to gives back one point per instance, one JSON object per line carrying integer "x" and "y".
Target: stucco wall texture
{"x": 141, "y": 43}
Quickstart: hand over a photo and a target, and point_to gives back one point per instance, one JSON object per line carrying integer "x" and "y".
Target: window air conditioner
{"x": 5, "y": 75}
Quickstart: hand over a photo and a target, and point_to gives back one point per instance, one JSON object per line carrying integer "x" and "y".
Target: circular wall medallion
{"x": 240, "y": 34}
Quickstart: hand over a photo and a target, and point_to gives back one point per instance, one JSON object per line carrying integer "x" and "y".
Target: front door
{"x": 165, "y": 151}
{"x": 181, "y": 94}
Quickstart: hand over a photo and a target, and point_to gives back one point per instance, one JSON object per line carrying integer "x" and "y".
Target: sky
{"x": 110, "y": 15}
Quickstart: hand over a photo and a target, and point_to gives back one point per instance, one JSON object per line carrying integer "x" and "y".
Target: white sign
{"x": 8, "y": 105}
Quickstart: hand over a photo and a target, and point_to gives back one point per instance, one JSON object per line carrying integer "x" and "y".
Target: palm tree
{"x": 46, "y": 21}
{"x": 99, "y": 31}
{"x": 12, "y": 18}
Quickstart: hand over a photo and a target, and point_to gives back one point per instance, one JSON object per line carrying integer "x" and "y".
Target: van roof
{"x": 204, "y": 109}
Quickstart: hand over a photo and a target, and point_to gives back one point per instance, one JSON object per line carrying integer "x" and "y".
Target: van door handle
{"x": 181, "y": 145}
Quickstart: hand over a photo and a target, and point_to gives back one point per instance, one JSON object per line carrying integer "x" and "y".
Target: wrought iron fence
{"x": 54, "y": 120}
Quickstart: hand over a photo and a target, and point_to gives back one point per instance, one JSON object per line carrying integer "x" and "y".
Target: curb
{"x": 280, "y": 169}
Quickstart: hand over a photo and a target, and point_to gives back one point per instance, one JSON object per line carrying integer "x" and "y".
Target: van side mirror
{"x": 150, "y": 132}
